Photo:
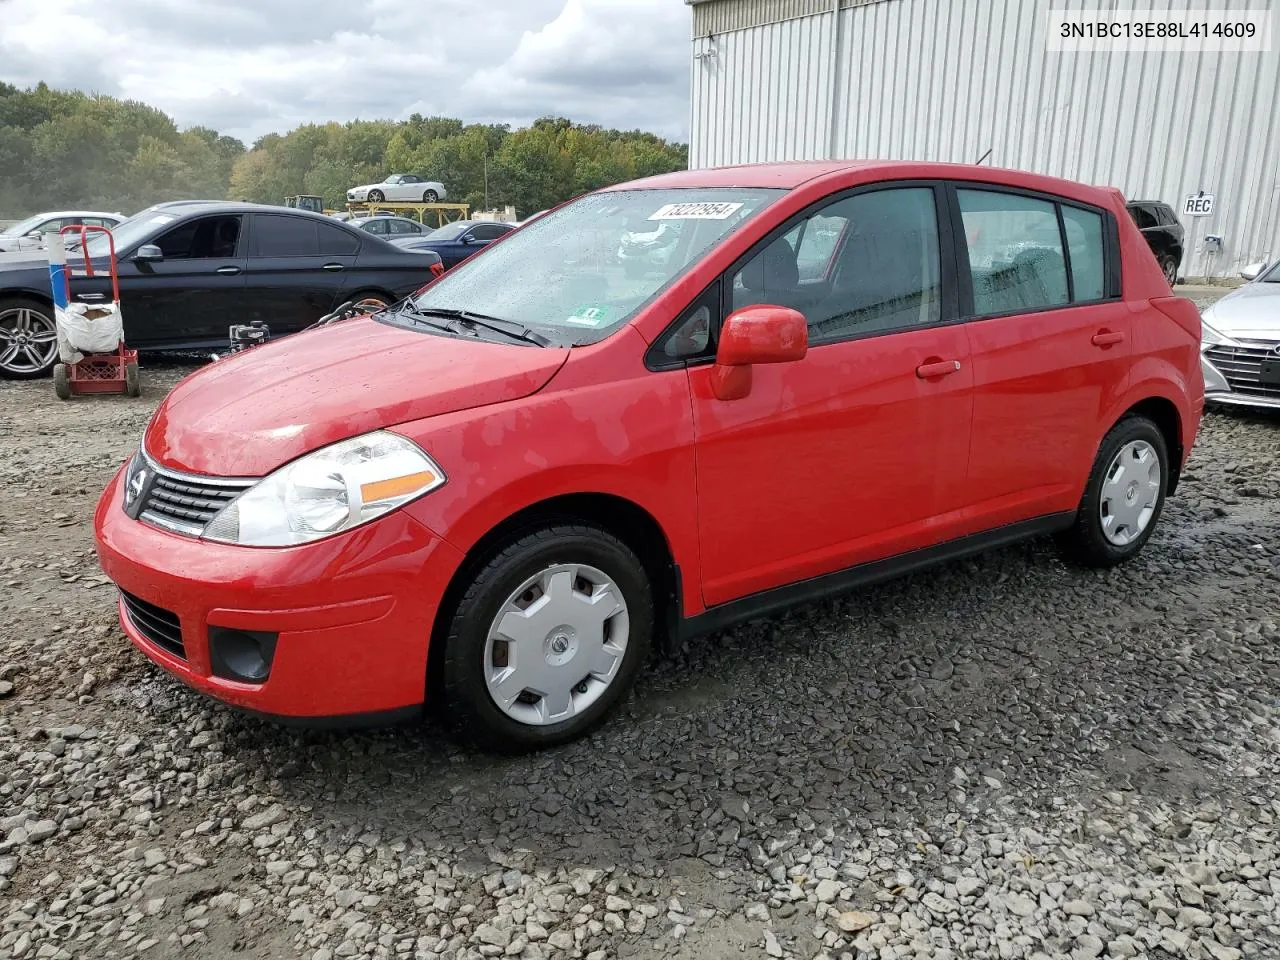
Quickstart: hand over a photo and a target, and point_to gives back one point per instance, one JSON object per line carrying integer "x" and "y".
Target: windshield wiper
{"x": 497, "y": 324}
{"x": 420, "y": 317}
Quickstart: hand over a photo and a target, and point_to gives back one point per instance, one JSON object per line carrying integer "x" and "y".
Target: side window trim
{"x": 1110, "y": 248}
{"x": 710, "y": 297}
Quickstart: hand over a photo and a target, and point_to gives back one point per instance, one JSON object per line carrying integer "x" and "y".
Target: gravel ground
{"x": 1004, "y": 757}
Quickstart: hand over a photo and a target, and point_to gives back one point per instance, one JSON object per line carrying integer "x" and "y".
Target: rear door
{"x": 191, "y": 296}
{"x": 1051, "y": 344}
{"x": 297, "y": 268}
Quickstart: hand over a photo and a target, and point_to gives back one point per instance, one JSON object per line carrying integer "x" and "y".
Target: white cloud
{"x": 249, "y": 67}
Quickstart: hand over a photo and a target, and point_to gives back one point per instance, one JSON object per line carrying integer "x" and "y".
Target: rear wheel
{"x": 28, "y": 339}
{"x": 1170, "y": 269}
{"x": 376, "y": 196}
{"x": 547, "y": 639}
{"x": 1124, "y": 496}
{"x": 430, "y": 197}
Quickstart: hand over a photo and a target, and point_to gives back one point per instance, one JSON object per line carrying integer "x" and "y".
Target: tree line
{"x": 68, "y": 149}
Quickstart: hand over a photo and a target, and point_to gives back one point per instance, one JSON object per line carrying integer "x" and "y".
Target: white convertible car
{"x": 403, "y": 187}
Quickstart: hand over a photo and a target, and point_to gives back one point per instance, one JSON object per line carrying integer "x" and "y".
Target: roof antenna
{"x": 984, "y": 156}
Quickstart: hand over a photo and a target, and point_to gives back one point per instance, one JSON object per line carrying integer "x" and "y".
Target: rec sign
{"x": 1198, "y": 205}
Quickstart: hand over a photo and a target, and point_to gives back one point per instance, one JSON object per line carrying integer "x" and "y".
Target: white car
{"x": 401, "y": 187}
{"x": 29, "y": 234}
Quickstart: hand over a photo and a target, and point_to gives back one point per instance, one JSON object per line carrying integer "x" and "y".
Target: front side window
{"x": 377, "y": 227}
{"x": 1015, "y": 252}
{"x": 401, "y": 228}
{"x": 577, "y": 274}
{"x": 862, "y": 265}
{"x": 488, "y": 231}
{"x": 203, "y": 239}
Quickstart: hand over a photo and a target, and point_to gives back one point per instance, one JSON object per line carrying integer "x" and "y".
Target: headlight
{"x": 1208, "y": 335}
{"x": 329, "y": 491}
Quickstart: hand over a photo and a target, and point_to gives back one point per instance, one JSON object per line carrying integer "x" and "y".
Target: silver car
{"x": 29, "y": 234}
{"x": 401, "y": 187}
{"x": 1240, "y": 352}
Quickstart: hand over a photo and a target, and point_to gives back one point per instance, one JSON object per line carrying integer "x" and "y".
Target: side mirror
{"x": 1252, "y": 271}
{"x": 468, "y": 239}
{"x": 149, "y": 253}
{"x": 760, "y": 334}
{"x": 35, "y": 235}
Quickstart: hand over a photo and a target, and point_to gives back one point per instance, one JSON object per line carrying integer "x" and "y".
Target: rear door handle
{"x": 228, "y": 271}
{"x": 332, "y": 267}
{"x": 1107, "y": 338}
{"x": 939, "y": 368}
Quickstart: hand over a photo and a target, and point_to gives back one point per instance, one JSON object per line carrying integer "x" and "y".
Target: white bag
{"x": 83, "y": 328}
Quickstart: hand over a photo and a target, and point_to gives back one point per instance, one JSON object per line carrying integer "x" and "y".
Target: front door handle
{"x": 1107, "y": 338}
{"x": 937, "y": 368}
{"x": 228, "y": 271}
{"x": 332, "y": 267}
{"x": 92, "y": 296}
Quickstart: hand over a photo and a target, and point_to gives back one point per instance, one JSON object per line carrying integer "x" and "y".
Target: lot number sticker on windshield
{"x": 586, "y": 316}
{"x": 696, "y": 211}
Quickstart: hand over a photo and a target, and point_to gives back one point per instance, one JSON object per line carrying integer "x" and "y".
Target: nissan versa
{"x": 498, "y": 494}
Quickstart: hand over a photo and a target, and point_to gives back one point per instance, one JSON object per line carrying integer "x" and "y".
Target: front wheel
{"x": 376, "y": 196}
{"x": 430, "y": 197}
{"x": 547, "y": 639}
{"x": 1123, "y": 498}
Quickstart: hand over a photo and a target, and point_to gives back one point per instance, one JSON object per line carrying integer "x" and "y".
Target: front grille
{"x": 185, "y": 504}
{"x": 1242, "y": 366}
{"x": 158, "y": 625}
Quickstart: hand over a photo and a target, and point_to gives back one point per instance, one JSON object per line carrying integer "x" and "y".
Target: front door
{"x": 1052, "y": 347}
{"x": 191, "y": 296}
{"x": 858, "y": 451}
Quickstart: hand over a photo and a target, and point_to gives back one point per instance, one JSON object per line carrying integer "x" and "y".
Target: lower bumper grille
{"x": 156, "y": 624}
{"x": 1242, "y": 366}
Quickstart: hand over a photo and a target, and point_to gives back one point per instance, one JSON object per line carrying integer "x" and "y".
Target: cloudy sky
{"x": 249, "y": 67}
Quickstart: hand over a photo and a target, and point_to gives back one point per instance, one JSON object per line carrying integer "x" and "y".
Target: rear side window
{"x": 1015, "y": 252}
{"x": 1086, "y": 246}
{"x": 282, "y": 236}
{"x": 336, "y": 242}
{"x": 1143, "y": 217}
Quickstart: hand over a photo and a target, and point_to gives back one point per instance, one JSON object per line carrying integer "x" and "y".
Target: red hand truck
{"x": 115, "y": 372}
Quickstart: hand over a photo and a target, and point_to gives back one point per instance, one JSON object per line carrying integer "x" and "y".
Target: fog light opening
{"x": 241, "y": 655}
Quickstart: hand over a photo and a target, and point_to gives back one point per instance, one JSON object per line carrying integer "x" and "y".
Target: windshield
{"x": 449, "y": 231}
{"x": 130, "y": 231}
{"x": 23, "y": 227}
{"x": 578, "y": 273}
{"x": 1272, "y": 275}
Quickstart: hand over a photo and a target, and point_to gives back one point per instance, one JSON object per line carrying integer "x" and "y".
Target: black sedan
{"x": 190, "y": 270}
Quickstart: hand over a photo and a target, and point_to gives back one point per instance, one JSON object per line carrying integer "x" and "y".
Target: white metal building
{"x": 953, "y": 79}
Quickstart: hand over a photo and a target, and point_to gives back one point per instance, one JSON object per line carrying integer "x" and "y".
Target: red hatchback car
{"x": 500, "y": 492}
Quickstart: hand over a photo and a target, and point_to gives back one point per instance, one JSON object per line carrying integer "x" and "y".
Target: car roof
{"x": 791, "y": 174}
{"x": 354, "y": 220}
{"x": 80, "y": 213}
{"x": 197, "y": 207}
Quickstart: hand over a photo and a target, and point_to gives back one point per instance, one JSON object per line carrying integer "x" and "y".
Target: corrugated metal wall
{"x": 927, "y": 80}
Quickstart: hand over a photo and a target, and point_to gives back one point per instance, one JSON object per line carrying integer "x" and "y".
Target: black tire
{"x": 431, "y": 197}
{"x": 1169, "y": 267}
{"x": 467, "y": 700}
{"x": 1085, "y": 542}
{"x": 376, "y": 196}
{"x": 61, "y": 381}
{"x": 132, "y": 380}
{"x": 46, "y": 313}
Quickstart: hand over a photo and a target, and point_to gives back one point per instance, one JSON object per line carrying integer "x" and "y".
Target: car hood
{"x": 250, "y": 413}
{"x": 1251, "y": 311}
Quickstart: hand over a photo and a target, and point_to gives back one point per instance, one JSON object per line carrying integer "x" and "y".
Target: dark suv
{"x": 1163, "y": 233}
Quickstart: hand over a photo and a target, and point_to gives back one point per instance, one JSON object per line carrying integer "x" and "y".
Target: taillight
{"x": 437, "y": 270}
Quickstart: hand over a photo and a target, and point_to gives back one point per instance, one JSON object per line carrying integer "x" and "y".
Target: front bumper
{"x": 1218, "y": 389}
{"x": 353, "y": 613}
{"x": 357, "y": 195}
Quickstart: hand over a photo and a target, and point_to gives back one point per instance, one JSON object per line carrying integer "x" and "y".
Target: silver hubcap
{"x": 28, "y": 340}
{"x": 1170, "y": 272}
{"x": 1130, "y": 492}
{"x": 556, "y": 645}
